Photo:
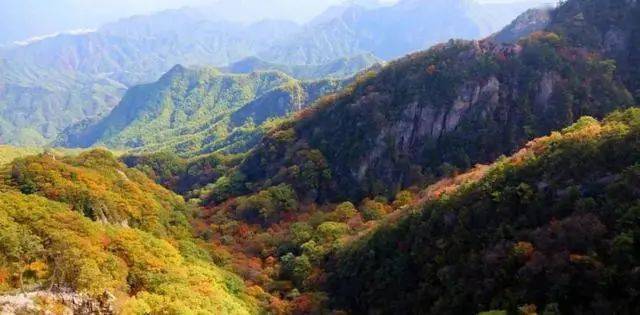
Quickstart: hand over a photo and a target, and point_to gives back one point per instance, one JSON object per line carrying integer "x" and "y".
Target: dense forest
{"x": 433, "y": 112}
{"x": 90, "y": 224}
{"x": 495, "y": 176}
{"x": 554, "y": 227}
{"x": 203, "y": 110}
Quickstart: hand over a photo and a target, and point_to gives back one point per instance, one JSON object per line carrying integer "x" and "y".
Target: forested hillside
{"x": 37, "y": 103}
{"x": 497, "y": 175}
{"x": 89, "y": 224}
{"x": 447, "y": 108}
{"x": 611, "y": 27}
{"x": 324, "y": 198}
{"x": 552, "y": 227}
{"x": 198, "y": 111}
{"x": 51, "y": 83}
{"x": 336, "y": 69}
{"x": 428, "y": 114}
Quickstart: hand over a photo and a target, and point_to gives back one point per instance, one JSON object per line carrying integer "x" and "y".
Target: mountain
{"x": 141, "y": 48}
{"x": 85, "y": 74}
{"x": 336, "y": 11}
{"x": 609, "y": 27}
{"x": 335, "y": 196}
{"x": 533, "y": 20}
{"x": 551, "y": 228}
{"x": 72, "y": 77}
{"x": 455, "y": 105}
{"x": 450, "y": 107}
{"x": 371, "y": 200}
{"x": 91, "y": 226}
{"x": 36, "y": 103}
{"x": 198, "y": 110}
{"x": 392, "y": 31}
{"x": 340, "y": 68}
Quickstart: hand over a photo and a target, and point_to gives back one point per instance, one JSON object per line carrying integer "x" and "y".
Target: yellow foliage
{"x": 149, "y": 275}
{"x": 97, "y": 185}
{"x": 39, "y": 268}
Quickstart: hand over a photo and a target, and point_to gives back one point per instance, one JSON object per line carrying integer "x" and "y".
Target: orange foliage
{"x": 529, "y": 309}
{"x": 524, "y": 249}
{"x": 4, "y": 275}
{"x": 277, "y": 306}
{"x": 303, "y": 304}
{"x": 243, "y": 230}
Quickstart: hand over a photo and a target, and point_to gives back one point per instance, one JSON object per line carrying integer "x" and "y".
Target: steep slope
{"x": 609, "y": 26}
{"x": 551, "y": 228}
{"x": 90, "y": 225}
{"x": 85, "y": 74}
{"x": 531, "y": 21}
{"x": 196, "y": 110}
{"x": 455, "y": 105}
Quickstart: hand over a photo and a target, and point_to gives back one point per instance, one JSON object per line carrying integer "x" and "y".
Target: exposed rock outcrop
{"x": 531, "y": 21}
{"x": 63, "y": 302}
{"x": 456, "y": 105}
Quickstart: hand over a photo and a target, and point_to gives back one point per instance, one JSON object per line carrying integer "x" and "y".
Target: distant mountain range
{"x": 49, "y": 84}
{"x": 391, "y": 32}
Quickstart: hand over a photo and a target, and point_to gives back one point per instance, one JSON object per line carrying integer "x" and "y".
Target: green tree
{"x": 343, "y": 212}
{"x": 372, "y": 210}
{"x": 20, "y": 247}
{"x": 296, "y": 268}
{"x": 331, "y": 231}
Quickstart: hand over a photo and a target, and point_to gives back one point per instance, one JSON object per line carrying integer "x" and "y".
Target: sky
{"x": 23, "y": 19}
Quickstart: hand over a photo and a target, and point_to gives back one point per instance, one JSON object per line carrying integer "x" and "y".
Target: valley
{"x": 329, "y": 168}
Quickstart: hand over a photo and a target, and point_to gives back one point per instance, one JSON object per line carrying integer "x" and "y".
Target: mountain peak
{"x": 175, "y": 71}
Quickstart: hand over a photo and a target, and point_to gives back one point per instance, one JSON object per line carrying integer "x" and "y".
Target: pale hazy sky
{"x": 21, "y": 19}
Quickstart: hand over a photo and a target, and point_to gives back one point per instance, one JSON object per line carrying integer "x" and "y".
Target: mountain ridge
{"x": 188, "y": 110}
{"x": 140, "y": 49}
{"x": 528, "y": 230}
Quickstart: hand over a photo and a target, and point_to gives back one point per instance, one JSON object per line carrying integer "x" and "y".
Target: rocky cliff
{"x": 448, "y": 108}
{"x": 51, "y": 302}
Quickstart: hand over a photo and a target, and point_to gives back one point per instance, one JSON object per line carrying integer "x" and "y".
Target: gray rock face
{"x": 71, "y": 302}
{"x": 615, "y": 40}
{"x": 545, "y": 90}
{"x": 529, "y": 22}
{"x": 420, "y": 123}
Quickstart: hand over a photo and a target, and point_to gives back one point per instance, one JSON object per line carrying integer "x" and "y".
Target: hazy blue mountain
{"x": 393, "y": 31}
{"x": 36, "y": 103}
{"x": 52, "y": 83}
